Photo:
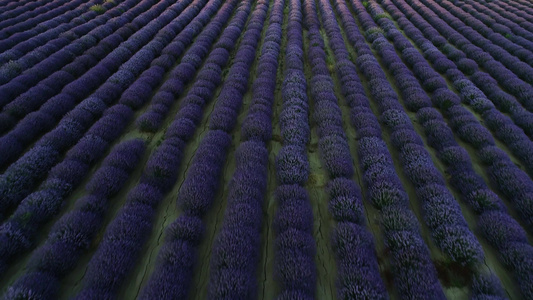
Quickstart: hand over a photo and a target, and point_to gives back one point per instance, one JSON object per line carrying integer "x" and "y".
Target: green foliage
{"x": 374, "y": 30}
{"x": 97, "y": 8}
{"x": 383, "y": 15}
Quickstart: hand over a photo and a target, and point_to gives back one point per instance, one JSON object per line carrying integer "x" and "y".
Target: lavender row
{"x": 295, "y": 268}
{"x": 518, "y": 10}
{"x": 209, "y": 77}
{"x": 33, "y": 97}
{"x": 124, "y": 237}
{"x": 19, "y": 75}
{"x": 473, "y": 189}
{"x": 293, "y": 119}
{"x": 7, "y": 6}
{"x": 414, "y": 273}
{"x": 512, "y": 181}
{"x": 451, "y": 234}
{"x": 50, "y": 28}
{"x": 10, "y": 9}
{"x": 63, "y": 49}
{"x": 501, "y": 125}
{"x": 235, "y": 255}
{"x": 505, "y": 104}
{"x": 495, "y": 45}
{"x": 140, "y": 91}
{"x": 488, "y": 21}
{"x": 20, "y": 178}
{"x": 523, "y": 12}
{"x": 134, "y": 96}
{"x": 230, "y": 99}
{"x": 201, "y": 183}
{"x": 517, "y": 15}
{"x": 74, "y": 60}
{"x": 515, "y": 46}
{"x": 503, "y": 101}
{"x": 520, "y": 69}
{"x": 521, "y": 90}
{"x": 91, "y": 147}
{"x": 21, "y": 43}
{"x": 352, "y": 242}
{"x": 74, "y": 232}
{"x": 35, "y": 13}
{"x": 500, "y": 24}
{"x": 27, "y": 27}
{"x": 407, "y": 82}
{"x": 109, "y": 127}
{"x": 524, "y": 5}
{"x": 18, "y": 233}
{"x": 509, "y": 16}
{"x": 76, "y": 79}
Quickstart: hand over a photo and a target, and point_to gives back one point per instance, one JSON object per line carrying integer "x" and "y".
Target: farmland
{"x": 255, "y": 149}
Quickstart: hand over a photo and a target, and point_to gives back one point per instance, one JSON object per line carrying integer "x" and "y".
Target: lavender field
{"x": 256, "y": 149}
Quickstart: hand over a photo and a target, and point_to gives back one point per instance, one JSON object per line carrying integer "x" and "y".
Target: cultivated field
{"x": 255, "y": 149}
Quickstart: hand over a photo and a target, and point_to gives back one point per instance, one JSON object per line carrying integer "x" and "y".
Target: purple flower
{"x": 487, "y": 286}
{"x": 107, "y": 181}
{"x": 295, "y": 265}
{"x": 33, "y": 285}
{"x": 398, "y": 217}
{"x": 292, "y": 165}
{"x": 384, "y": 192}
{"x": 500, "y": 229}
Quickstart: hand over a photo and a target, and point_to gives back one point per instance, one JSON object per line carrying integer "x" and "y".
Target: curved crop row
{"x": 10, "y": 9}
{"x": 61, "y": 53}
{"x": 235, "y": 254}
{"x": 415, "y": 276}
{"x": 205, "y": 83}
{"x": 451, "y": 234}
{"x": 19, "y": 179}
{"x": 503, "y": 26}
{"x": 516, "y": 47}
{"x": 109, "y": 127}
{"x": 34, "y": 13}
{"x": 507, "y": 79}
{"x": 27, "y": 26}
{"x": 474, "y": 191}
{"x": 521, "y": 69}
{"x": 512, "y": 181}
{"x": 358, "y": 275}
{"x": 402, "y": 167}
{"x": 18, "y": 233}
{"x": 513, "y": 64}
{"x": 22, "y": 42}
{"x": 119, "y": 249}
{"x": 295, "y": 249}
{"x": 177, "y": 256}
{"x": 63, "y": 49}
{"x": 523, "y": 14}
{"x": 435, "y": 131}
{"x": 87, "y": 72}
{"x": 73, "y": 232}
{"x": 503, "y": 101}
{"x": 464, "y": 121}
